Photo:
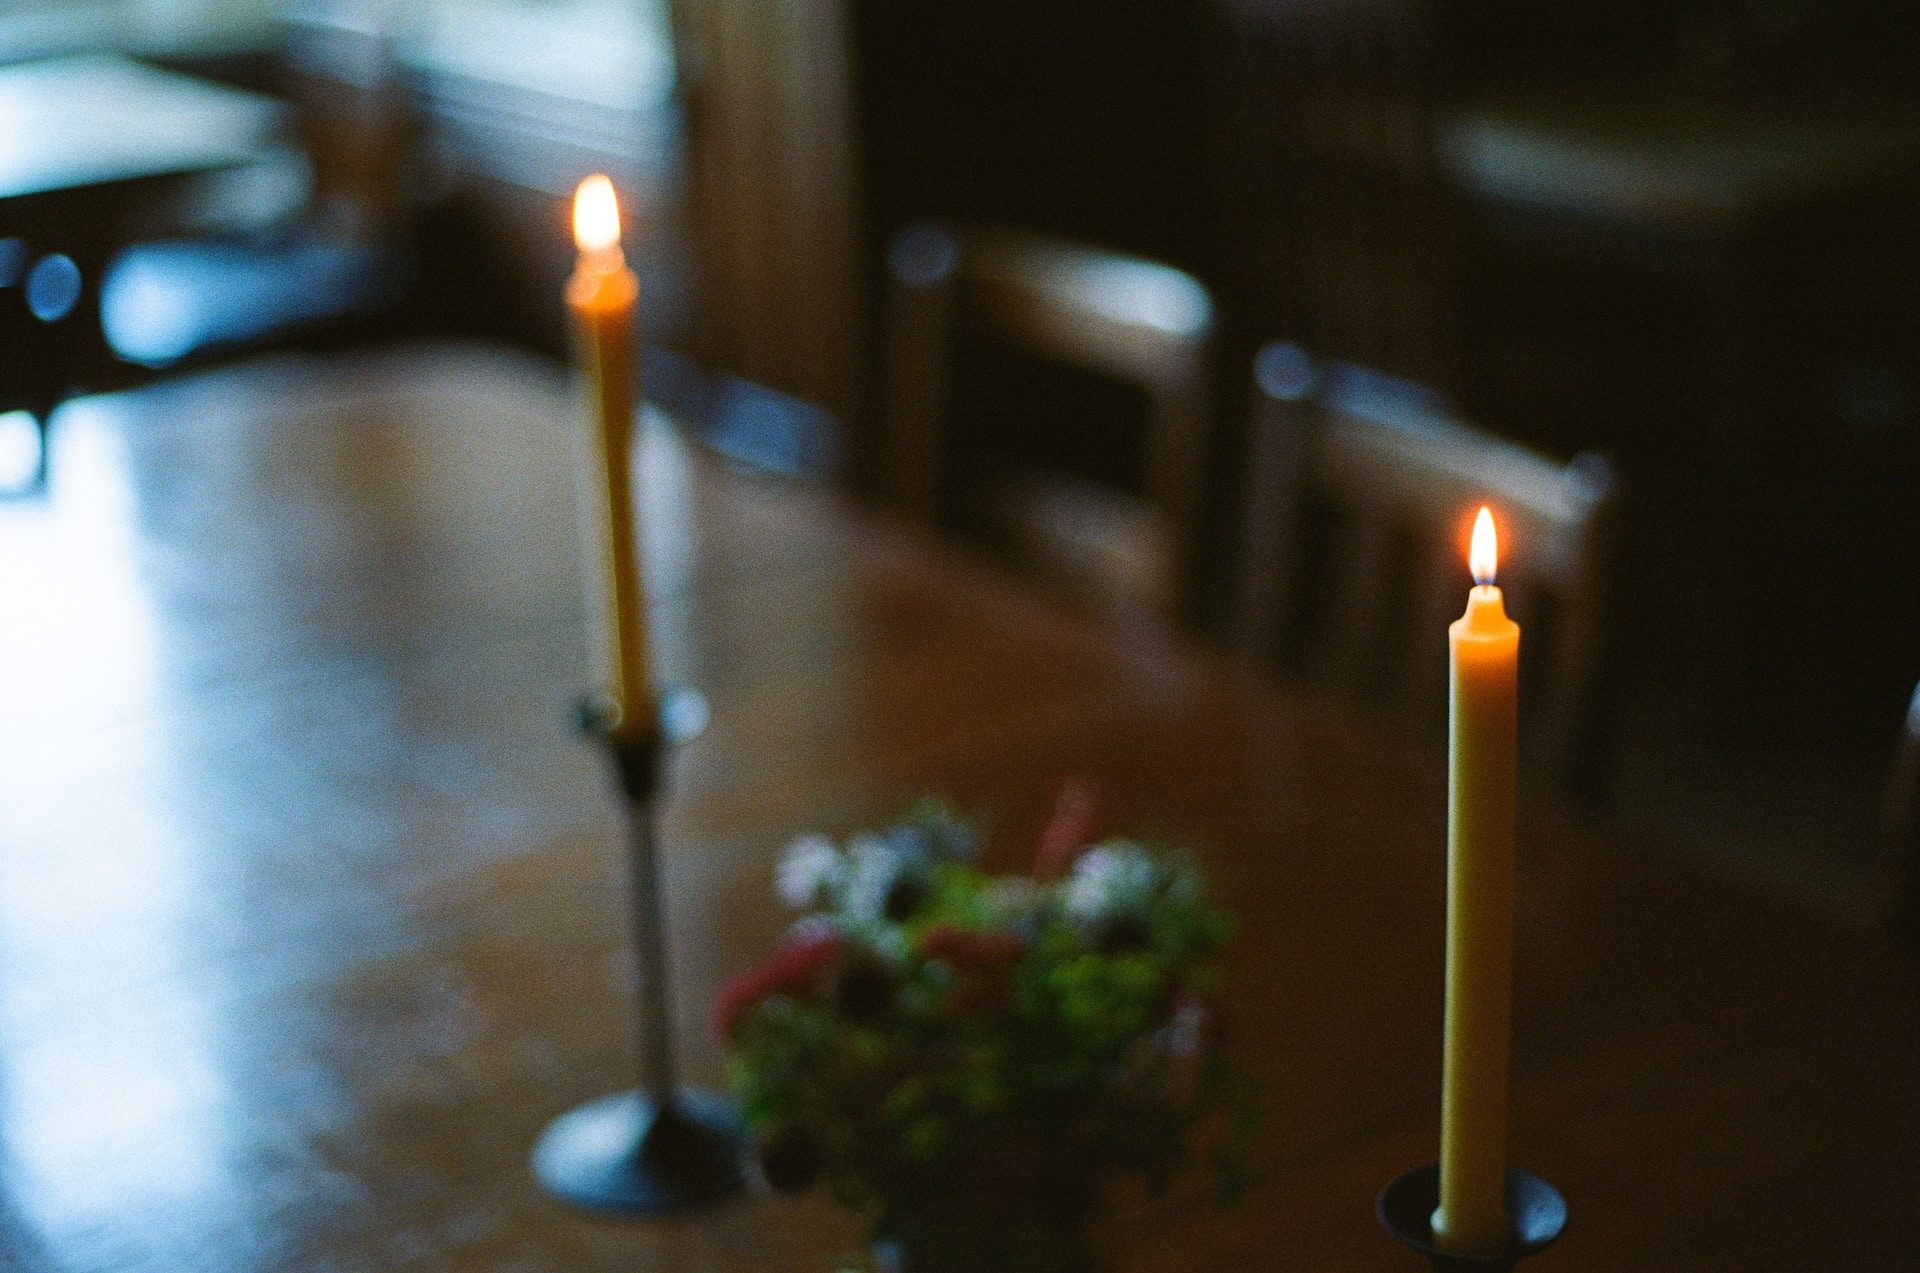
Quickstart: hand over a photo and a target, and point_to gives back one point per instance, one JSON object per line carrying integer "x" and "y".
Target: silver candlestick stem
{"x": 662, "y": 1148}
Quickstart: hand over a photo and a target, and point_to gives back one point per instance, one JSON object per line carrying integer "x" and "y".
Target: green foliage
{"x": 930, "y": 1034}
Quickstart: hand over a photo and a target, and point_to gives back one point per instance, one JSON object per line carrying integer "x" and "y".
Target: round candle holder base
{"x": 625, "y": 1154}
{"x": 662, "y": 1148}
{"x": 1538, "y": 1211}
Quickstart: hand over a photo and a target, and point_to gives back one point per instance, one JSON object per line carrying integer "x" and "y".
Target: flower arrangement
{"x": 977, "y": 1058}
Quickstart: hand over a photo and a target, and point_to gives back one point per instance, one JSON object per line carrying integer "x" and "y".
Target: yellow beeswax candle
{"x": 603, "y": 295}
{"x": 1482, "y": 763}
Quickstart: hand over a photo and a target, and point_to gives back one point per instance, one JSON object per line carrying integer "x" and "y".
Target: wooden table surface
{"x": 311, "y": 907}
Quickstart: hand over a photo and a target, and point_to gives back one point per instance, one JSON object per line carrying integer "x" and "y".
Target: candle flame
{"x": 1484, "y": 557}
{"x": 596, "y": 215}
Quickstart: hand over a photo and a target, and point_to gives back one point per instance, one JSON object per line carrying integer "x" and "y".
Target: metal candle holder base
{"x": 660, "y": 1149}
{"x": 1539, "y": 1214}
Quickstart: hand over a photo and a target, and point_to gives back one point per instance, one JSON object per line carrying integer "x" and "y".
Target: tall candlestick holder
{"x": 661, "y": 1148}
{"x": 1538, "y": 1211}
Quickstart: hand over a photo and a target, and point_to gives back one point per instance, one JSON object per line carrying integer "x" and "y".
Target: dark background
{"x": 1772, "y": 581}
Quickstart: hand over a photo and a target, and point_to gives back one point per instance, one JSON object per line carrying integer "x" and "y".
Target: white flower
{"x": 1115, "y": 878}
{"x": 875, "y": 866}
{"x": 889, "y": 941}
{"x": 810, "y": 870}
{"x": 808, "y": 927}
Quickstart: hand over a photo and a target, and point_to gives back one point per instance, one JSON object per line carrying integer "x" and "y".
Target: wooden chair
{"x": 1900, "y": 884}
{"x": 1395, "y": 482}
{"x": 1120, "y": 317}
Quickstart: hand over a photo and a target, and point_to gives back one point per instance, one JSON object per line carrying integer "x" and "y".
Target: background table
{"x": 91, "y": 144}
{"x": 311, "y": 914}
{"x": 97, "y": 150}
{"x": 97, "y": 119}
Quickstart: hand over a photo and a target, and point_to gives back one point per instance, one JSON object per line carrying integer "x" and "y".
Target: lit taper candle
{"x": 1482, "y": 764}
{"x": 603, "y": 295}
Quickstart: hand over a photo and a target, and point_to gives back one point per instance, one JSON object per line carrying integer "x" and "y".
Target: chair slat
{"x": 1353, "y": 641}
{"x": 919, "y": 322}
{"x": 1277, "y": 449}
{"x": 1438, "y": 604}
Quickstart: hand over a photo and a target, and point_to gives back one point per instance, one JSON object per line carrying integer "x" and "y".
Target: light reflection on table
{"x": 117, "y": 1092}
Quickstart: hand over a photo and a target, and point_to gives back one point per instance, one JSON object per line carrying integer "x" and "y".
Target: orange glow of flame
{"x": 596, "y": 215}
{"x": 1484, "y": 557}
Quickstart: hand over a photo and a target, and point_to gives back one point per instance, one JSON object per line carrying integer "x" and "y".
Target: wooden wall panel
{"x": 772, "y": 178}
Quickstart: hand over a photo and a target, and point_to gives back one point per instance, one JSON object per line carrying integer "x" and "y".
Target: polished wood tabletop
{"x": 311, "y": 906}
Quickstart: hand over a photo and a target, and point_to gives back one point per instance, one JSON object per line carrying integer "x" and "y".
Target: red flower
{"x": 792, "y": 968}
{"x": 1070, "y": 828}
{"x": 999, "y": 948}
{"x": 794, "y": 964}
{"x": 984, "y": 962}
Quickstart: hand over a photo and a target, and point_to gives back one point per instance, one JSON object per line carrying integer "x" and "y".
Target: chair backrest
{"x": 1121, "y": 317}
{"x": 1398, "y": 481}
{"x": 1323, "y": 114}
{"x": 1900, "y": 884}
